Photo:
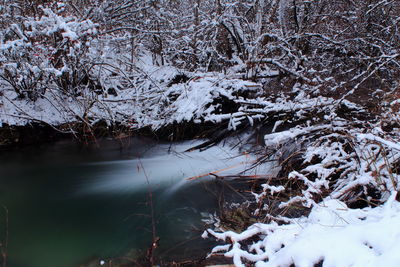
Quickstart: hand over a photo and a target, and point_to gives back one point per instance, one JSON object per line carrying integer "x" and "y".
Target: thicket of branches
{"x": 307, "y": 57}
{"x": 332, "y": 47}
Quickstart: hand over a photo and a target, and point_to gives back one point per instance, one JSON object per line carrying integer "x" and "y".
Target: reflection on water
{"x": 69, "y": 204}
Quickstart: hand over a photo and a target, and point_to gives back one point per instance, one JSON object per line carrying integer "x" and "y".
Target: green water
{"x": 61, "y": 213}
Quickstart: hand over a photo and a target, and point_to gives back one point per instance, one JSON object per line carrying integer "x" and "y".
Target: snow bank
{"x": 55, "y": 109}
{"x": 148, "y": 98}
{"x": 201, "y": 99}
{"x": 332, "y": 234}
{"x": 333, "y": 163}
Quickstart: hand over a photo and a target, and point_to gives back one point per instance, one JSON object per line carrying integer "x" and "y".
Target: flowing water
{"x": 65, "y": 205}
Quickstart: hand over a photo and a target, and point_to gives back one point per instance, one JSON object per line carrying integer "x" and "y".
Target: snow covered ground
{"x": 340, "y": 163}
{"x": 332, "y": 234}
{"x": 153, "y": 101}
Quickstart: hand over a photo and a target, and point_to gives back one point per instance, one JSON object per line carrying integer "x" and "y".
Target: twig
{"x": 155, "y": 238}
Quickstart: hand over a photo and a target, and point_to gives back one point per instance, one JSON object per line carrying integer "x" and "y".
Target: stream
{"x": 66, "y": 205}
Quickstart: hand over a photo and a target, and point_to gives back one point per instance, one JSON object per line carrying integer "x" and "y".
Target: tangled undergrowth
{"x": 339, "y": 176}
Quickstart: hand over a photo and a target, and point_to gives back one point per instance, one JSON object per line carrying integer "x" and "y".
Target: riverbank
{"x": 313, "y": 98}
{"x": 166, "y": 103}
{"x": 39, "y": 133}
{"x": 325, "y": 150}
{"x": 322, "y": 148}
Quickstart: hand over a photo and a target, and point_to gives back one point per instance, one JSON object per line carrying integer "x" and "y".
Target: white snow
{"x": 372, "y": 137}
{"x": 149, "y": 103}
{"x": 331, "y": 233}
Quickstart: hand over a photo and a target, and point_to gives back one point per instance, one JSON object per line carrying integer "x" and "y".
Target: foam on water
{"x": 174, "y": 167}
